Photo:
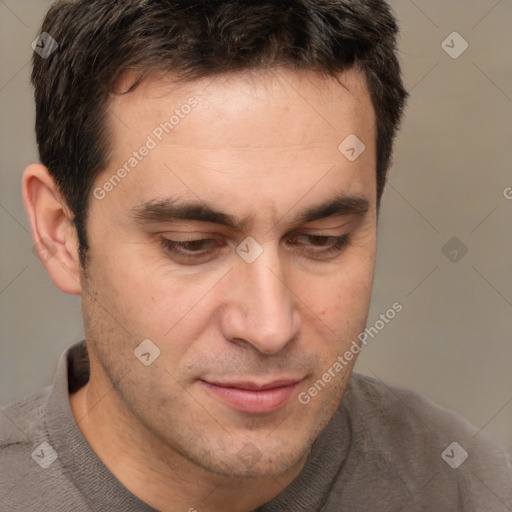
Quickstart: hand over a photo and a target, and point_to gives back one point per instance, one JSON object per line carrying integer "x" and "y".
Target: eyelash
{"x": 175, "y": 247}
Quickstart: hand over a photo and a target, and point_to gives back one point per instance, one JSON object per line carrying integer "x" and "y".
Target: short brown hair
{"x": 100, "y": 39}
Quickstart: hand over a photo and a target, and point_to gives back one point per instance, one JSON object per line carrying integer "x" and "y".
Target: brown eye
{"x": 189, "y": 248}
{"x": 320, "y": 245}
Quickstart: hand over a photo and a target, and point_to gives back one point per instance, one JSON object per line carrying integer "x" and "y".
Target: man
{"x": 210, "y": 182}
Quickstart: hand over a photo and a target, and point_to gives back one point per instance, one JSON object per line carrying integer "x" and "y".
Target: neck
{"x": 154, "y": 471}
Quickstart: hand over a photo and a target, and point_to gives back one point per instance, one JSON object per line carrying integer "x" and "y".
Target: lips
{"x": 253, "y": 397}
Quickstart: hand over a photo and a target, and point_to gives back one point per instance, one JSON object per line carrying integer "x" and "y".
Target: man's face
{"x": 243, "y": 327}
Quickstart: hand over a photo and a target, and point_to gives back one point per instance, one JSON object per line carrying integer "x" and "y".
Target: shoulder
{"x": 428, "y": 447}
{"x": 23, "y": 421}
{"x": 405, "y": 418}
{"x": 402, "y": 407}
{"x": 31, "y": 476}
{"x": 22, "y": 430}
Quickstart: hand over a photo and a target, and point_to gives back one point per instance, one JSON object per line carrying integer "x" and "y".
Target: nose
{"x": 261, "y": 309}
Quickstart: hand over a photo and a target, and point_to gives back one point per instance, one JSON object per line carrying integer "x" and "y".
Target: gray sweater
{"x": 385, "y": 449}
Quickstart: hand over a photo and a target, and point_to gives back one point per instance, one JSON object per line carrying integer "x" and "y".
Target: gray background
{"x": 452, "y": 341}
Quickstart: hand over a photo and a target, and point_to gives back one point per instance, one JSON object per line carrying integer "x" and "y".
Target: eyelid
{"x": 171, "y": 237}
{"x": 324, "y": 228}
{"x": 222, "y": 233}
{"x": 306, "y": 251}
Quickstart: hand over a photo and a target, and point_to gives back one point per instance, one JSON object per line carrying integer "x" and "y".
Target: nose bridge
{"x": 266, "y": 317}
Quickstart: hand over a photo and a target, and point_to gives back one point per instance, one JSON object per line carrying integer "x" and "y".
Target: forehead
{"x": 271, "y": 134}
{"x": 320, "y": 99}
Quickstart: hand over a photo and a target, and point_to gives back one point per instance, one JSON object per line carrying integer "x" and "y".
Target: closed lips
{"x": 253, "y": 397}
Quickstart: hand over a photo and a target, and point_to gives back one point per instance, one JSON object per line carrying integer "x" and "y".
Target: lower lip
{"x": 252, "y": 401}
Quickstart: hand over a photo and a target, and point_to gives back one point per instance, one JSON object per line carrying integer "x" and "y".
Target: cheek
{"x": 341, "y": 299}
{"x": 153, "y": 299}
{"x": 131, "y": 282}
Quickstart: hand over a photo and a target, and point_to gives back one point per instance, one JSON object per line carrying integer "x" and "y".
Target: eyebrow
{"x": 171, "y": 209}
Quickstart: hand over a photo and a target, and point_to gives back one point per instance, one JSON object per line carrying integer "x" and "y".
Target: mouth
{"x": 253, "y": 397}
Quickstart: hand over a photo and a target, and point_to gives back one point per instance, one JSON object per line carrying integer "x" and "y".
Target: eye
{"x": 320, "y": 245}
{"x": 315, "y": 246}
{"x": 190, "y": 248}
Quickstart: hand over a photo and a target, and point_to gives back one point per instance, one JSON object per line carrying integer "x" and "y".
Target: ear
{"x": 54, "y": 235}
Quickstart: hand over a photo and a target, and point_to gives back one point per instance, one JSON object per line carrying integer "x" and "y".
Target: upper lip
{"x": 255, "y": 386}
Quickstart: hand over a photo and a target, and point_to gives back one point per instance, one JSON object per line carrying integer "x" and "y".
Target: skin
{"x": 262, "y": 145}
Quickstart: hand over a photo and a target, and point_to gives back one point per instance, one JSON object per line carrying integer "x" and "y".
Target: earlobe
{"x": 54, "y": 235}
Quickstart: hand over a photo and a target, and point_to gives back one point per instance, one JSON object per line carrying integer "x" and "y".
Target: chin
{"x": 249, "y": 461}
